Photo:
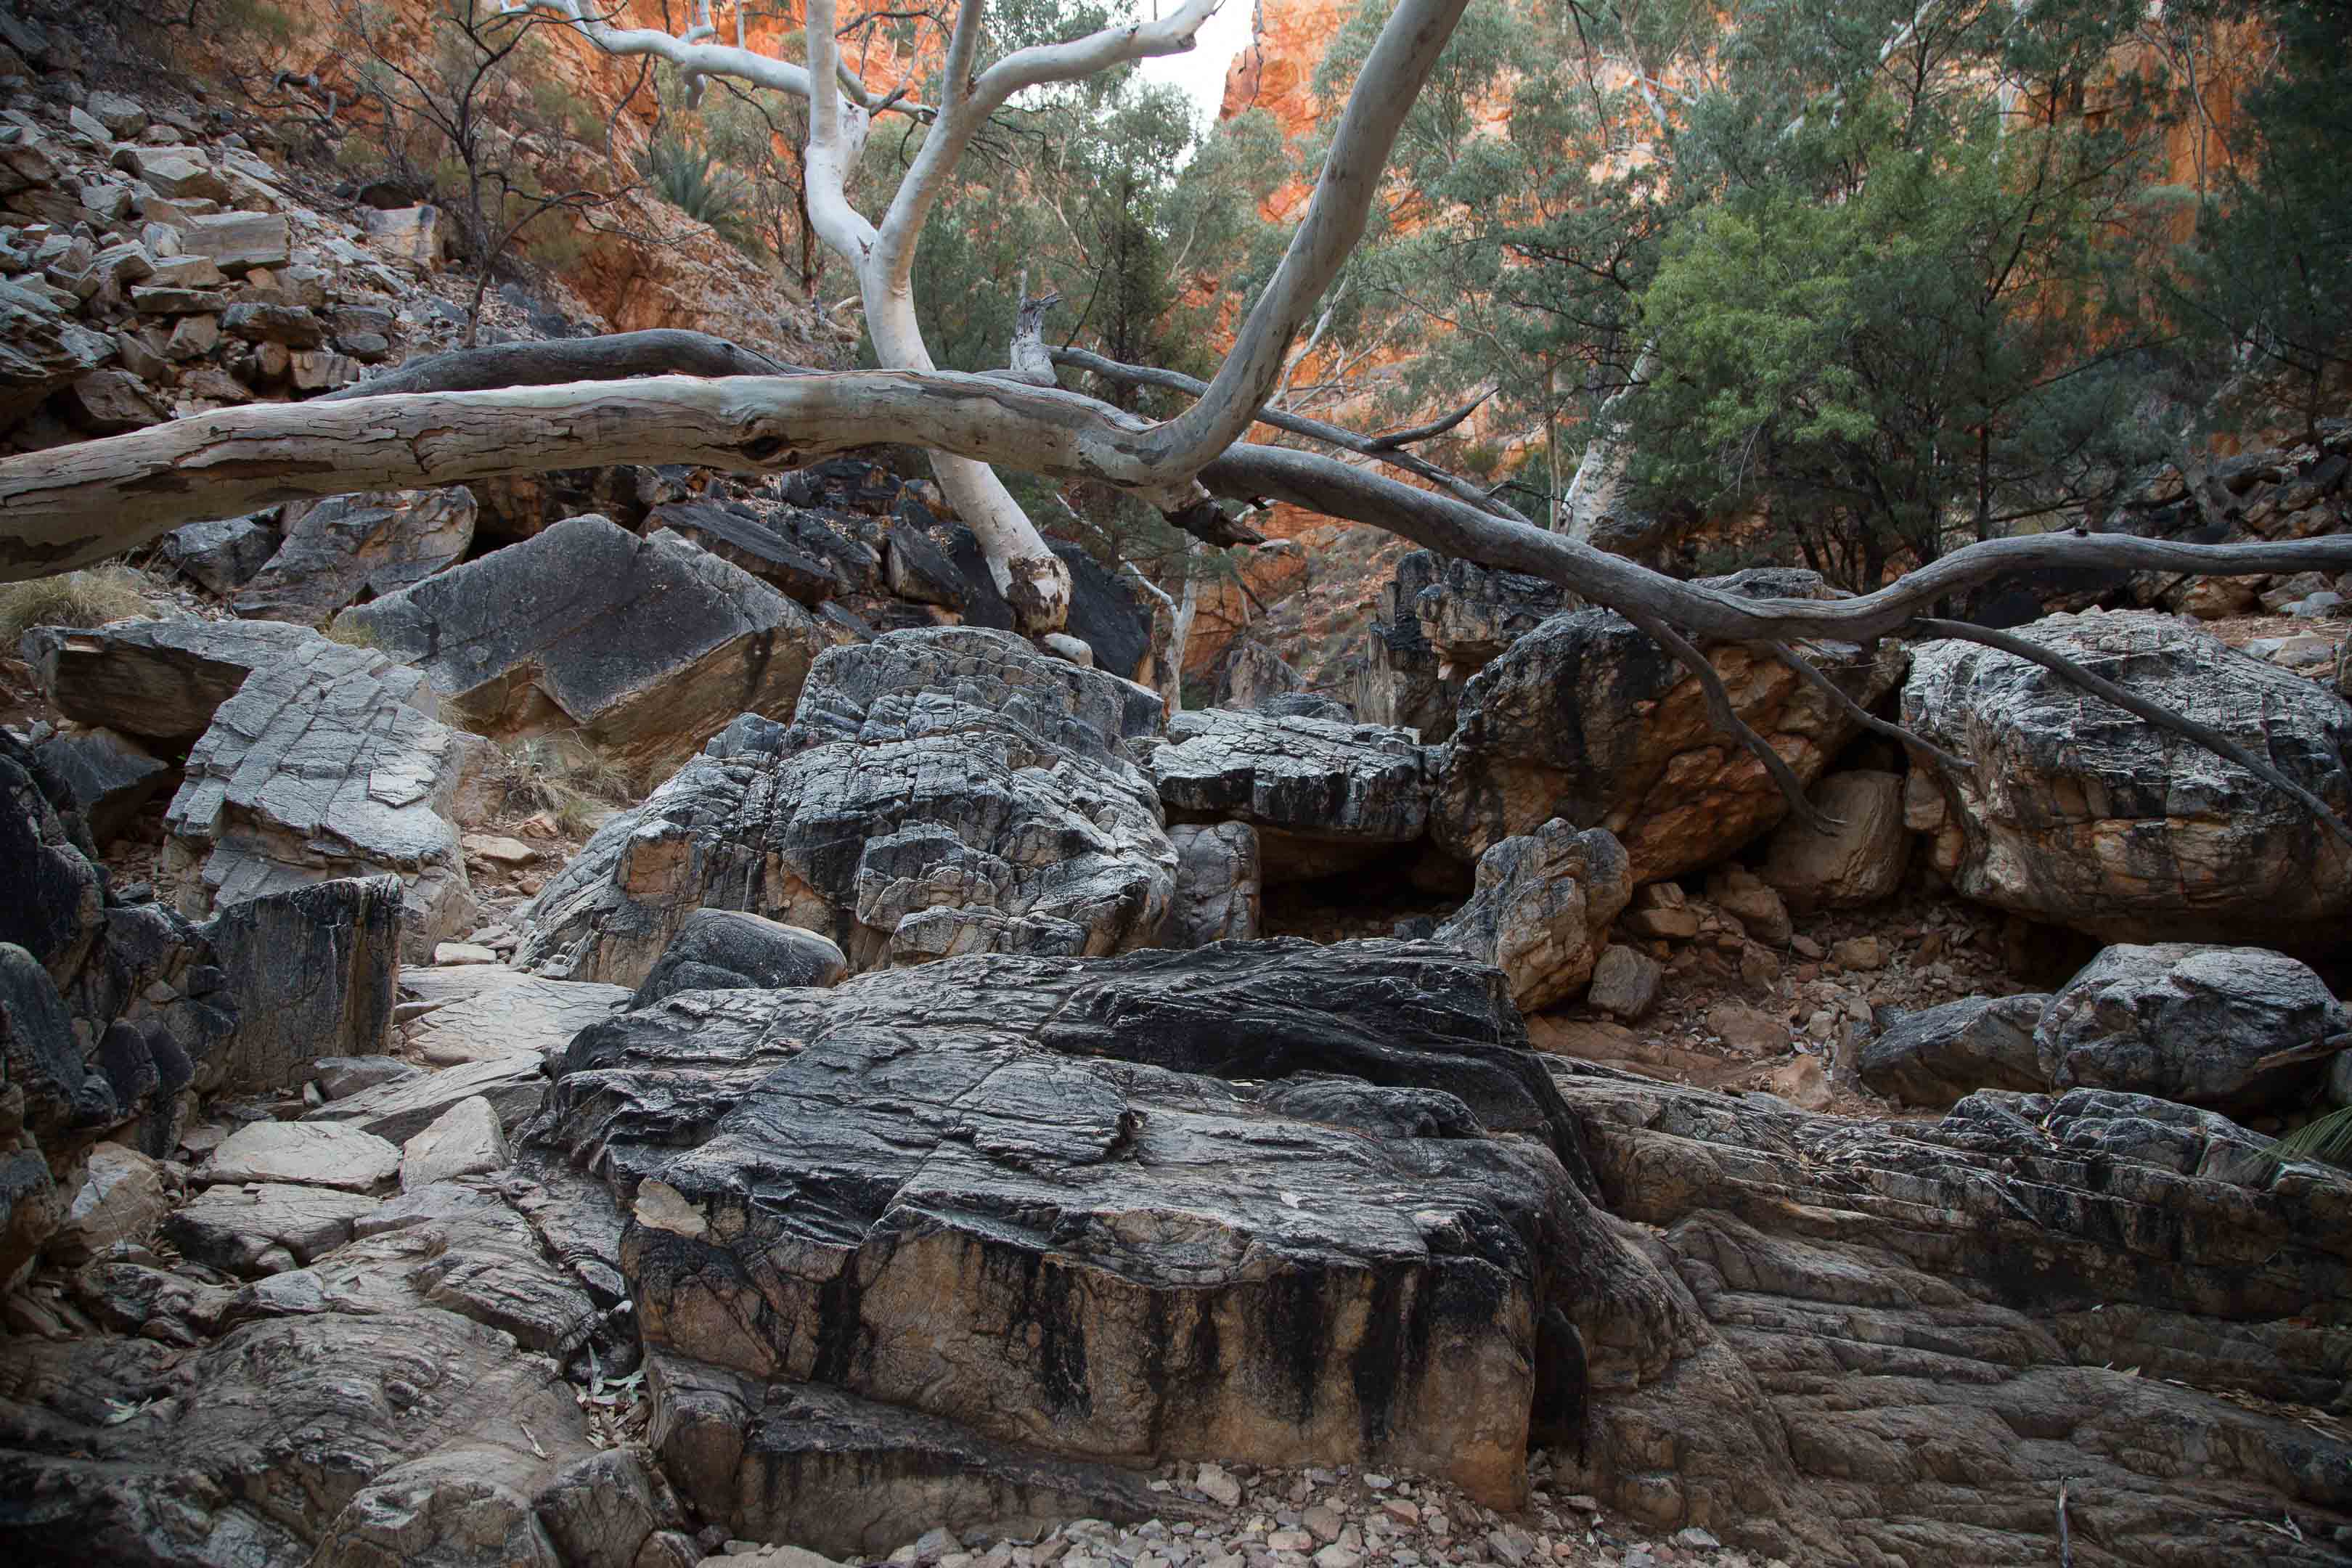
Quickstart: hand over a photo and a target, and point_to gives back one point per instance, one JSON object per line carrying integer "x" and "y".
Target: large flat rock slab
{"x": 644, "y": 647}
{"x": 310, "y": 1154}
{"x": 514, "y": 1084}
{"x": 529, "y": 1015}
{"x": 2080, "y": 815}
{"x": 320, "y": 1438}
{"x": 1238, "y": 1203}
{"x": 1324, "y": 795}
{"x": 1944, "y": 1320}
{"x": 940, "y": 792}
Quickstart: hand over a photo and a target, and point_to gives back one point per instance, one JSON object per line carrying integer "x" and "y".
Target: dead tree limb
{"x": 616, "y": 356}
{"x": 1430, "y": 430}
{"x": 1297, "y": 425}
{"x": 1814, "y": 676}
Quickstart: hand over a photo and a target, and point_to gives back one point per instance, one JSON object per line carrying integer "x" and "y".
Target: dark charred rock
{"x": 719, "y": 950}
{"x": 1941, "y": 1054}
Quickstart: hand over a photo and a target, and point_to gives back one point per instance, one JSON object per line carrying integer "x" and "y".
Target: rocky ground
{"x": 624, "y": 1018}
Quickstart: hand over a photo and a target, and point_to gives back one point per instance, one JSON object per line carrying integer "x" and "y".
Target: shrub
{"x": 89, "y": 598}
{"x": 690, "y": 178}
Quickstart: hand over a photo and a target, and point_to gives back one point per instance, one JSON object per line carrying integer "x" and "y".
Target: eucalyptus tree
{"x": 679, "y": 397}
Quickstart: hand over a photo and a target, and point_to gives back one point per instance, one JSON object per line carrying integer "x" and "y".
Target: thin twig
{"x": 1430, "y": 431}
{"x": 2156, "y": 713}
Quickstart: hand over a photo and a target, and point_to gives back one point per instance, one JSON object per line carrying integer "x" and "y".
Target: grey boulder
{"x": 2232, "y": 1028}
{"x": 1325, "y": 795}
{"x": 2080, "y": 814}
{"x": 1941, "y": 1054}
{"x": 1218, "y": 887}
{"x": 1586, "y": 718}
{"x": 1542, "y": 909}
{"x": 340, "y": 551}
{"x": 644, "y": 646}
{"x": 940, "y": 791}
{"x": 718, "y": 950}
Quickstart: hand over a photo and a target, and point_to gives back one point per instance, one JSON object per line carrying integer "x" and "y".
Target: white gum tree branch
{"x": 1161, "y": 461}
{"x": 72, "y": 506}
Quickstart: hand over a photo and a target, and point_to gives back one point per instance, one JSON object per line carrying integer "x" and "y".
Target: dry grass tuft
{"x": 89, "y": 598}
{"x": 565, "y": 777}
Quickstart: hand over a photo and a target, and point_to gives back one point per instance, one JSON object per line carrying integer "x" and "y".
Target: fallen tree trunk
{"x": 75, "y": 505}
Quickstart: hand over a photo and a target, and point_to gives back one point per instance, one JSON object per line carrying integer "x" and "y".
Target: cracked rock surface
{"x": 939, "y": 791}
{"x": 2082, "y": 814}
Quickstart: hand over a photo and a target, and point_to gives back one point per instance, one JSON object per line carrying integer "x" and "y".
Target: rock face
{"x": 1942, "y": 1054}
{"x": 107, "y": 1010}
{"x": 720, "y": 950}
{"x": 1586, "y": 718}
{"x": 2082, "y": 814}
{"x": 316, "y": 761}
{"x": 1398, "y": 683}
{"x": 1926, "y": 1328}
{"x": 646, "y": 647}
{"x": 311, "y": 972}
{"x": 338, "y": 552}
{"x": 1325, "y": 795}
{"x": 1859, "y": 861}
{"x": 939, "y": 791}
{"x": 1251, "y": 674}
{"x": 111, "y": 777}
{"x": 1219, "y": 889}
{"x": 2232, "y": 1028}
{"x": 1239, "y": 1202}
{"x": 368, "y": 1439}
{"x": 1541, "y": 911}
{"x": 1470, "y": 614}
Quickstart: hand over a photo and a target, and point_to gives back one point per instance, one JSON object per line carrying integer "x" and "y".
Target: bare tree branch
{"x": 1296, "y": 425}
{"x": 1431, "y": 431}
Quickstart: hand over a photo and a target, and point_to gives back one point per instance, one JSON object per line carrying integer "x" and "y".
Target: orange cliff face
{"x": 640, "y": 263}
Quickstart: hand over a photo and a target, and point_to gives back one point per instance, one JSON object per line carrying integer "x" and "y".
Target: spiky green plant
{"x": 690, "y": 178}
{"x": 2327, "y": 1138}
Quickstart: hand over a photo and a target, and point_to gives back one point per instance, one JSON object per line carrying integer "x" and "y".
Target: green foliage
{"x": 2267, "y": 281}
{"x": 690, "y": 176}
{"x": 1882, "y": 260}
{"x": 2327, "y": 1137}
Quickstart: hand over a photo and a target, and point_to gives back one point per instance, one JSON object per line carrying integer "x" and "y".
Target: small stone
{"x": 1806, "y": 947}
{"x": 1323, "y": 1522}
{"x": 1217, "y": 1484}
{"x": 1290, "y": 1540}
{"x": 1625, "y": 982}
{"x": 1402, "y": 1509}
{"x": 454, "y": 952}
{"x": 1748, "y": 1031}
{"x": 1337, "y": 1557}
{"x": 1698, "y": 1540}
{"x": 1858, "y": 953}
{"x": 497, "y": 848}
{"x": 1511, "y": 1544}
